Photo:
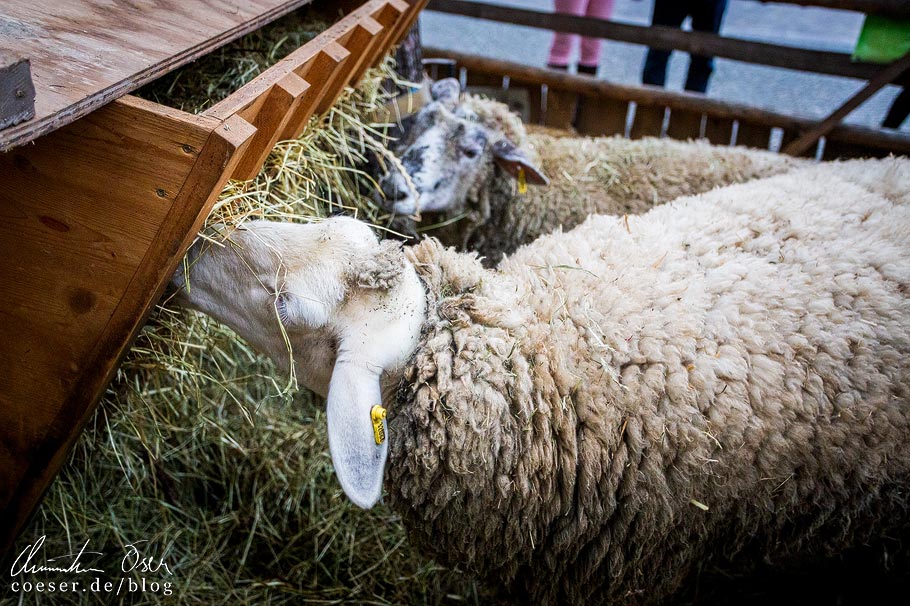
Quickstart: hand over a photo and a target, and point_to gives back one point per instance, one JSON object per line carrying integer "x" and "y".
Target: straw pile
{"x": 201, "y": 449}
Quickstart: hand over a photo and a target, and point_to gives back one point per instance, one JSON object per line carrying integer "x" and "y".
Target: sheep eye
{"x": 281, "y": 307}
{"x": 470, "y": 152}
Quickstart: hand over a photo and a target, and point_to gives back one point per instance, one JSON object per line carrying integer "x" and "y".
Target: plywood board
{"x": 84, "y": 53}
{"x": 93, "y": 220}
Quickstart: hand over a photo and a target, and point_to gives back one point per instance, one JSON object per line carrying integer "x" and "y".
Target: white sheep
{"x": 464, "y": 154}
{"x": 725, "y": 376}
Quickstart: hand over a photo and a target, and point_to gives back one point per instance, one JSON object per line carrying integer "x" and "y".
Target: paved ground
{"x": 788, "y": 91}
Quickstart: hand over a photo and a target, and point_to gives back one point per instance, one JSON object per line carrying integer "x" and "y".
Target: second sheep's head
{"x": 449, "y": 152}
{"x": 349, "y": 306}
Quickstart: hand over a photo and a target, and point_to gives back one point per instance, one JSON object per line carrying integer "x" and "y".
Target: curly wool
{"x": 724, "y": 378}
{"x": 591, "y": 175}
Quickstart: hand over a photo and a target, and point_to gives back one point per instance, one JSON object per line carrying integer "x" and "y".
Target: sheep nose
{"x": 394, "y": 189}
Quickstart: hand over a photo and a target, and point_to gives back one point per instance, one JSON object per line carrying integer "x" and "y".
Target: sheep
{"x": 463, "y": 156}
{"x": 722, "y": 379}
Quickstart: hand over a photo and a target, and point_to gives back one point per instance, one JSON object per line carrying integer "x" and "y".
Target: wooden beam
{"x": 17, "y": 92}
{"x": 96, "y": 217}
{"x": 667, "y": 38}
{"x": 808, "y": 139}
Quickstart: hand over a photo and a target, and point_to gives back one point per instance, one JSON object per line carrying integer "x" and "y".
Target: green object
{"x": 882, "y": 40}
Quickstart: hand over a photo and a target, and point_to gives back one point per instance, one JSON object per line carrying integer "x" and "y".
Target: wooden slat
{"x": 319, "y": 69}
{"x": 535, "y": 99}
{"x": 361, "y": 43}
{"x": 684, "y": 124}
{"x": 561, "y": 105}
{"x": 896, "y": 141}
{"x": 754, "y": 135}
{"x": 269, "y": 118}
{"x": 648, "y": 122}
{"x": 84, "y": 53}
{"x": 718, "y": 131}
{"x": 95, "y": 219}
{"x": 601, "y": 117}
{"x": 666, "y": 38}
{"x": 333, "y": 85}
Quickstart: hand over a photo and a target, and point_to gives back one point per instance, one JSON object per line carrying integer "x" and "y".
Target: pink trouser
{"x": 561, "y": 50}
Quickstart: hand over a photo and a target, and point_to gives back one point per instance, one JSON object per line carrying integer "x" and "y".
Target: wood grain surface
{"x": 93, "y": 220}
{"x": 85, "y": 53}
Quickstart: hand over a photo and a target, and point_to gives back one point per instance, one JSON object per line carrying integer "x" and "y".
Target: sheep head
{"x": 350, "y": 307}
{"x": 449, "y": 152}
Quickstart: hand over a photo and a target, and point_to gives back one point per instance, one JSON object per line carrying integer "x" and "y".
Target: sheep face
{"x": 349, "y": 306}
{"x": 448, "y": 154}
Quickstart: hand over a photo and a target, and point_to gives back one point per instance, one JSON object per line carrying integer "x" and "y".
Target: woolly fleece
{"x": 726, "y": 376}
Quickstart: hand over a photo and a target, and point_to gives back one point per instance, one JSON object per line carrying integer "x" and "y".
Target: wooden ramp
{"x": 97, "y": 214}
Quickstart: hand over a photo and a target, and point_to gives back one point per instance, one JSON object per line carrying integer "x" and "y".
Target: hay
{"x": 202, "y": 449}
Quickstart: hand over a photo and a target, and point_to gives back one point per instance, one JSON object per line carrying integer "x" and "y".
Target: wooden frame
{"x": 669, "y": 38}
{"x": 98, "y": 214}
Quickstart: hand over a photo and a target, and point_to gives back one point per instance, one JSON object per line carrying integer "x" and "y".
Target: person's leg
{"x": 590, "y": 47}
{"x": 899, "y": 111}
{"x": 561, "y": 48}
{"x": 707, "y": 16}
{"x": 669, "y": 13}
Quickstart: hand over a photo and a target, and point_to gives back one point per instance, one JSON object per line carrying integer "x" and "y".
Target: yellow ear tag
{"x": 377, "y": 414}
{"x": 522, "y": 181}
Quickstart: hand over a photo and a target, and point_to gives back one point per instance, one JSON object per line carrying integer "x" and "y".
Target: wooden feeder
{"x": 103, "y": 192}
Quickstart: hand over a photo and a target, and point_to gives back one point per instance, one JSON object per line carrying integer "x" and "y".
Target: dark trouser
{"x": 899, "y": 111}
{"x": 706, "y": 17}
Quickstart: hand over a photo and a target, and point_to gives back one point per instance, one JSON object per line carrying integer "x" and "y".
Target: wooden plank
{"x": 95, "y": 218}
{"x": 750, "y": 134}
{"x": 648, "y": 122}
{"x": 601, "y": 117}
{"x": 684, "y": 124}
{"x": 666, "y": 38}
{"x": 718, "y": 131}
{"x": 896, "y": 141}
{"x": 103, "y": 50}
{"x": 17, "y": 92}
{"x": 561, "y": 106}
{"x": 886, "y": 75}
{"x": 269, "y": 118}
{"x": 362, "y": 42}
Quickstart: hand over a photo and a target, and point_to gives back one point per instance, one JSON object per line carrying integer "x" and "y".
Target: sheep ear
{"x": 512, "y": 160}
{"x": 446, "y": 91}
{"x": 359, "y": 462}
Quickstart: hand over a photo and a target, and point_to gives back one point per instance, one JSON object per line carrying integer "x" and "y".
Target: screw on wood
{"x": 189, "y": 149}
{"x": 20, "y": 93}
{"x": 161, "y": 192}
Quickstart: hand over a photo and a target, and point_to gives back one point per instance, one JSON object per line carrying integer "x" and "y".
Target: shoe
{"x": 587, "y": 70}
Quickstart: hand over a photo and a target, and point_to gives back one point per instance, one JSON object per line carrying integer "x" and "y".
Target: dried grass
{"x": 201, "y": 448}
